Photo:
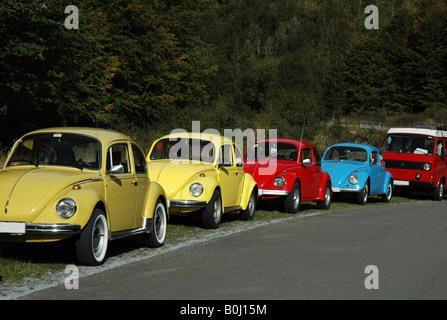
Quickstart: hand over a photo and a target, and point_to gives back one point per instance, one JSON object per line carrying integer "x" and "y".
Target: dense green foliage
{"x": 146, "y": 67}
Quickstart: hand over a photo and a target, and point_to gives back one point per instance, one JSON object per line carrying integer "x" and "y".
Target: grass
{"x": 37, "y": 260}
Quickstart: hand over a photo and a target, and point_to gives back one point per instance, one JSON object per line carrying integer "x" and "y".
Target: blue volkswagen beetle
{"x": 358, "y": 168}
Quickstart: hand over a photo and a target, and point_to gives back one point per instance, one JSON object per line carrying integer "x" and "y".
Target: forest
{"x": 146, "y": 67}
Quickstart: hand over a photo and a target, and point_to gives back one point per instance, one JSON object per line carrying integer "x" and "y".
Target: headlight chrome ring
{"x": 353, "y": 179}
{"x": 66, "y": 208}
{"x": 196, "y": 189}
{"x": 279, "y": 181}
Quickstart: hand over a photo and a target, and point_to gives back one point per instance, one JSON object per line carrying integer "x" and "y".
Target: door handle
{"x": 236, "y": 173}
{"x": 134, "y": 183}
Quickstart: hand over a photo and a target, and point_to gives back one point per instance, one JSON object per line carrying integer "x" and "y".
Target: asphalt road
{"x": 315, "y": 257}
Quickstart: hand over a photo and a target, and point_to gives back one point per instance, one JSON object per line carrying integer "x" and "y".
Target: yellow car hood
{"x": 24, "y": 193}
{"x": 172, "y": 175}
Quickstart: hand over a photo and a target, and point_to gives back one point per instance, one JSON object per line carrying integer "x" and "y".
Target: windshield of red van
{"x": 408, "y": 143}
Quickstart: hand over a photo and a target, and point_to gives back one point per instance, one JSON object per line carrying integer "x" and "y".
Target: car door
{"x": 121, "y": 188}
{"x": 376, "y": 172}
{"x": 309, "y": 174}
{"x": 142, "y": 180}
{"x": 229, "y": 177}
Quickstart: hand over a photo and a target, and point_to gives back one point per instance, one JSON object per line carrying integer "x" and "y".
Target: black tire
{"x": 389, "y": 192}
{"x": 362, "y": 197}
{"x": 293, "y": 199}
{"x": 212, "y": 214}
{"x": 326, "y": 203}
{"x": 249, "y": 212}
{"x": 438, "y": 192}
{"x": 91, "y": 246}
{"x": 159, "y": 223}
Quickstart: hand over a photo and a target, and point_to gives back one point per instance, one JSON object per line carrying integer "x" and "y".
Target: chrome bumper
{"x": 60, "y": 228}
{"x": 266, "y": 192}
{"x": 21, "y": 228}
{"x": 186, "y": 203}
{"x": 357, "y": 189}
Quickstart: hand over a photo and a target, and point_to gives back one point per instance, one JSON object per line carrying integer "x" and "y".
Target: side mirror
{"x": 306, "y": 162}
{"x": 119, "y": 169}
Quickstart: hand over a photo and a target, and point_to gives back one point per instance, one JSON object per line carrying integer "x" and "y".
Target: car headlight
{"x": 279, "y": 181}
{"x": 427, "y": 166}
{"x": 196, "y": 189}
{"x": 353, "y": 179}
{"x": 66, "y": 208}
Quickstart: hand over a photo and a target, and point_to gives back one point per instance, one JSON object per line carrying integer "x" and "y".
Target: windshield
{"x": 184, "y": 148}
{"x": 346, "y": 153}
{"x": 408, "y": 143}
{"x": 57, "y": 149}
{"x": 278, "y": 150}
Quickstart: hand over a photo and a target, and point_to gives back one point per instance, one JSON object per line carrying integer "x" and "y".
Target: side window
{"x": 306, "y": 156}
{"x": 118, "y": 154}
{"x": 440, "y": 148}
{"x": 317, "y": 157}
{"x": 373, "y": 158}
{"x": 139, "y": 160}
{"x": 226, "y": 155}
{"x": 238, "y": 156}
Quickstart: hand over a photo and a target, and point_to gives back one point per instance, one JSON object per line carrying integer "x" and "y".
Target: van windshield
{"x": 408, "y": 143}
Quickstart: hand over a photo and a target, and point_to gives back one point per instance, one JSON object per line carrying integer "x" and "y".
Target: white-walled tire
{"x": 158, "y": 228}
{"x": 91, "y": 246}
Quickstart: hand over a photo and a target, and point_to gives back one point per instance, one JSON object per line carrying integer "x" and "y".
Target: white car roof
{"x": 428, "y": 132}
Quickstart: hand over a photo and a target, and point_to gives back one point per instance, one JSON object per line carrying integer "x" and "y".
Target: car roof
{"x": 358, "y": 145}
{"x": 101, "y": 134}
{"x": 198, "y": 135}
{"x": 429, "y": 132}
{"x": 283, "y": 140}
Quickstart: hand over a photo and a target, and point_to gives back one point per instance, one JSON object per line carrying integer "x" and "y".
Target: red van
{"x": 417, "y": 158}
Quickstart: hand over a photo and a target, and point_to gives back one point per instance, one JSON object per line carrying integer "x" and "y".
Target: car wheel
{"x": 293, "y": 200}
{"x": 212, "y": 214}
{"x": 326, "y": 203}
{"x": 249, "y": 212}
{"x": 438, "y": 192}
{"x": 389, "y": 192}
{"x": 91, "y": 247}
{"x": 362, "y": 197}
{"x": 159, "y": 224}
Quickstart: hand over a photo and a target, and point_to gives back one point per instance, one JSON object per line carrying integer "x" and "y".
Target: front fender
{"x": 363, "y": 179}
{"x": 325, "y": 178}
{"x": 248, "y": 187}
{"x": 388, "y": 178}
{"x": 154, "y": 192}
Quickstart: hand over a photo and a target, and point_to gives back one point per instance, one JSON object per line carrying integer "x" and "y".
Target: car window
{"x": 118, "y": 154}
{"x": 183, "y": 148}
{"x": 316, "y": 157}
{"x": 57, "y": 149}
{"x": 238, "y": 156}
{"x": 373, "y": 159}
{"x": 226, "y": 155}
{"x": 306, "y": 154}
{"x": 139, "y": 160}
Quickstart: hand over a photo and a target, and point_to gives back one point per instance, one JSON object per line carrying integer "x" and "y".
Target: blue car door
{"x": 377, "y": 173}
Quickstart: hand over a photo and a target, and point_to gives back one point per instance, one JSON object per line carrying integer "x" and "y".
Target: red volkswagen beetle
{"x": 288, "y": 169}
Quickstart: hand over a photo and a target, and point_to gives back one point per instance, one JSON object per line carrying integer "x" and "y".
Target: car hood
{"x": 265, "y": 171}
{"x": 341, "y": 170}
{"x": 173, "y": 175}
{"x": 24, "y": 193}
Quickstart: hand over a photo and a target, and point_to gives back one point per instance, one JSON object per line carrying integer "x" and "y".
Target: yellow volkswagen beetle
{"x": 203, "y": 173}
{"x": 91, "y": 184}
